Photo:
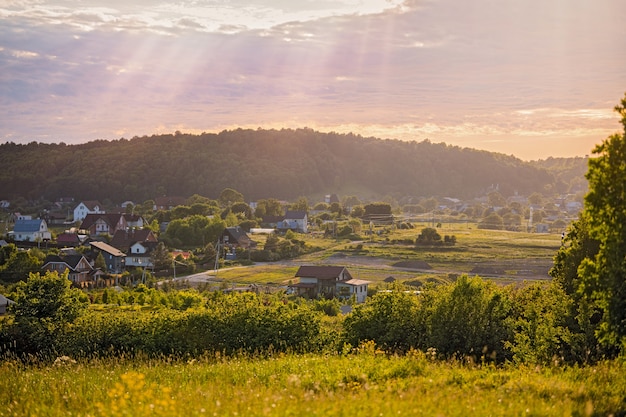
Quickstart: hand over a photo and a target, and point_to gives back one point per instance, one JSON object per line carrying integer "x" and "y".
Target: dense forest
{"x": 268, "y": 163}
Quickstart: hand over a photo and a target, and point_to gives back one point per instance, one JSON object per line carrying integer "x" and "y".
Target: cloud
{"x": 447, "y": 70}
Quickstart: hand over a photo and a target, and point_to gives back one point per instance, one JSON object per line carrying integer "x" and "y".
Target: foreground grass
{"x": 364, "y": 384}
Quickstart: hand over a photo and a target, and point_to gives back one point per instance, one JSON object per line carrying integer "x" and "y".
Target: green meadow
{"x": 367, "y": 383}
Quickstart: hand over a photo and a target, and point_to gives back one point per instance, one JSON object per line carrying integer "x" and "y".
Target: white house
{"x": 139, "y": 255}
{"x": 30, "y": 231}
{"x": 294, "y": 220}
{"x": 87, "y": 207}
{"x": 353, "y": 287}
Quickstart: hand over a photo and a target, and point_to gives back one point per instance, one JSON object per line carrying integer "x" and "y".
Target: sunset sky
{"x": 532, "y": 78}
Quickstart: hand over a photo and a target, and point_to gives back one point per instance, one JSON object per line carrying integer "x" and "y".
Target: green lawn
{"x": 364, "y": 384}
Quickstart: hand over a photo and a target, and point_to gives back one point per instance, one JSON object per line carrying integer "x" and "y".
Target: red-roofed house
{"x": 329, "y": 282}
{"x": 103, "y": 224}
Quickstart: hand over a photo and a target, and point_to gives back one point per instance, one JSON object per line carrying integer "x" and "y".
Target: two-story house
{"x": 294, "y": 220}
{"x": 80, "y": 271}
{"x": 104, "y": 224}
{"x": 87, "y": 207}
{"x": 113, "y": 257}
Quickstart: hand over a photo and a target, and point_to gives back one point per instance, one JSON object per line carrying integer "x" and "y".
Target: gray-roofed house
{"x": 80, "y": 271}
{"x": 294, "y": 220}
{"x": 30, "y": 230}
{"x": 113, "y": 257}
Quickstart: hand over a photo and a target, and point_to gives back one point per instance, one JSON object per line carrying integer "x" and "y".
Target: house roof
{"x": 71, "y": 261}
{"x": 68, "y": 238}
{"x": 295, "y": 215}
{"x": 355, "y": 282}
{"x": 238, "y": 235}
{"x": 91, "y": 204}
{"x": 27, "y": 226}
{"x": 5, "y": 301}
{"x": 107, "y": 248}
{"x": 132, "y": 217}
{"x": 110, "y": 218}
{"x": 123, "y": 239}
{"x": 322, "y": 271}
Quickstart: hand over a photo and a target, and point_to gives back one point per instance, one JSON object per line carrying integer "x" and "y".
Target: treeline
{"x": 283, "y": 164}
{"x": 467, "y": 318}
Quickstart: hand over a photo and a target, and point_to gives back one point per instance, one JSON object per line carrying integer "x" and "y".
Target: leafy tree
{"x": 496, "y": 199}
{"x": 302, "y": 204}
{"x": 351, "y": 201}
{"x": 540, "y": 319}
{"x": 243, "y": 209}
{"x": 468, "y": 317}
{"x": 428, "y": 236}
{"x": 269, "y": 207}
{"x": 379, "y": 208}
{"x": 357, "y": 211}
{"x": 161, "y": 257}
{"x": 18, "y": 265}
{"x": 228, "y": 197}
{"x": 321, "y": 206}
{"x": 429, "y": 204}
{"x": 335, "y": 208}
{"x": 512, "y": 221}
{"x": 536, "y": 199}
{"x": 604, "y": 276}
{"x": 100, "y": 263}
{"x": 48, "y": 297}
{"x": 492, "y": 221}
{"x": 390, "y": 319}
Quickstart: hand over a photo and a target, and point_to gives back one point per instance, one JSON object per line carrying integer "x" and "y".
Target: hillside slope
{"x": 260, "y": 163}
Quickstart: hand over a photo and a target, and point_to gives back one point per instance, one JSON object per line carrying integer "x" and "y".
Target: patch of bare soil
{"x": 415, "y": 264}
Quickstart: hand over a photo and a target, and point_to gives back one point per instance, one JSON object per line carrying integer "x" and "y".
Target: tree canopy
{"x": 282, "y": 164}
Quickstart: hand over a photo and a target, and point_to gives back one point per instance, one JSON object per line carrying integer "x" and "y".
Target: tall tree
{"x": 604, "y": 276}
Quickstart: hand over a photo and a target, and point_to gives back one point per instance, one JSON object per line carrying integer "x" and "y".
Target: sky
{"x": 531, "y": 78}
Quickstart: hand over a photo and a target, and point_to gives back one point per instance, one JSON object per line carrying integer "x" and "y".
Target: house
{"x": 31, "y": 230}
{"x": 168, "y": 203}
{"x": 80, "y": 270}
{"x": 114, "y": 258}
{"x": 233, "y": 238}
{"x": 356, "y": 288}
{"x": 329, "y": 282}
{"x": 294, "y": 220}
{"x": 5, "y": 204}
{"x": 237, "y": 237}
{"x": 103, "y": 223}
{"x": 68, "y": 239}
{"x": 4, "y": 303}
{"x": 140, "y": 255}
{"x": 87, "y": 207}
{"x": 124, "y": 239}
{"x": 134, "y": 221}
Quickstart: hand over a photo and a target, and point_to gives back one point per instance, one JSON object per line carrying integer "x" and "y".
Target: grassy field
{"x": 506, "y": 257}
{"x": 363, "y": 384}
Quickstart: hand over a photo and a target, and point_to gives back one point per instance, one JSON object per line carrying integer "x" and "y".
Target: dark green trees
{"x": 591, "y": 265}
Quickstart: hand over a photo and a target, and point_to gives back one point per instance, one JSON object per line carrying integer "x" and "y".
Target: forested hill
{"x": 260, "y": 164}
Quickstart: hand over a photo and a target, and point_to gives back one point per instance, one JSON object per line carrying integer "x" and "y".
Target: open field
{"x": 503, "y": 256}
{"x": 363, "y": 384}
